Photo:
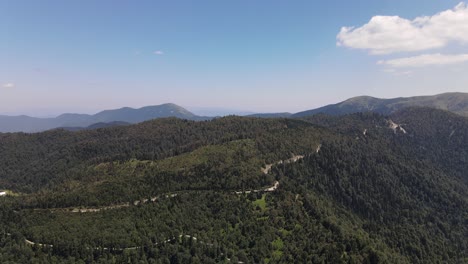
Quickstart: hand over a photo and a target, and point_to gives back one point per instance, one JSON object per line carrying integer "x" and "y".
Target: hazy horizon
{"x": 200, "y": 111}
{"x": 243, "y": 56}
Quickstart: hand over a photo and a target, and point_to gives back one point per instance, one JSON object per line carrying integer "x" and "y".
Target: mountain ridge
{"x": 130, "y": 115}
{"x": 456, "y": 102}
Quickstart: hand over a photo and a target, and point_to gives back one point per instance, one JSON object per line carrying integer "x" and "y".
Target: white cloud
{"x": 391, "y": 34}
{"x": 158, "y": 52}
{"x": 8, "y": 85}
{"x": 425, "y": 60}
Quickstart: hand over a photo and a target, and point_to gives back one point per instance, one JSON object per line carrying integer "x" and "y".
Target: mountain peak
{"x": 124, "y": 114}
{"x": 454, "y": 102}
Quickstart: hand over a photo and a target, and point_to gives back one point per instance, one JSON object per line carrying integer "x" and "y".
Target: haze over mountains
{"x": 454, "y": 102}
{"x": 126, "y": 114}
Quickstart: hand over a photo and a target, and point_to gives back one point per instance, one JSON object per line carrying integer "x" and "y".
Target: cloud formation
{"x": 425, "y": 60}
{"x": 392, "y": 34}
{"x": 158, "y": 52}
{"x": 8, "y": 85}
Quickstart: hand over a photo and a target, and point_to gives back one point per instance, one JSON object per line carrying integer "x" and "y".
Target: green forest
{"x": 357, "y": 188}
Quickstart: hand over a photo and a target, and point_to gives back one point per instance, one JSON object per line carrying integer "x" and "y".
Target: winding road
{"x": 265, "y": 170}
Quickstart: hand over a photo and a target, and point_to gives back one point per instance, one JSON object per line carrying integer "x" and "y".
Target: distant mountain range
{"x": 75, "y": 121}
{"x": 271, "y": 115}
{"x": 454, "y": 102}
{"x": 96, "y": 126}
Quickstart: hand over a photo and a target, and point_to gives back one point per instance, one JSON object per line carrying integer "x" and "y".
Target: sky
{"x": 212, "y": 56}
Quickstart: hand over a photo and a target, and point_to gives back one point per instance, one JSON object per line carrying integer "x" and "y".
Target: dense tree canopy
{"x": 352, "y": 189}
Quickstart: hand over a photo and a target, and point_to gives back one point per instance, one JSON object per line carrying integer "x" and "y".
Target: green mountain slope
{"x": 360, "y": 188}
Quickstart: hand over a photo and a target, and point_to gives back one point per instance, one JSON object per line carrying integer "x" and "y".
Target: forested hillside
{"x": 359, "y": 188}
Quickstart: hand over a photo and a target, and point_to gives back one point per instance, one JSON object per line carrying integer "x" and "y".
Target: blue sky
{"x": 260, "y": 56}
